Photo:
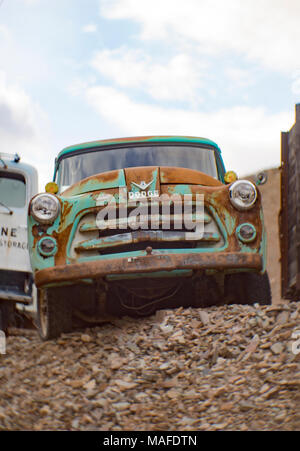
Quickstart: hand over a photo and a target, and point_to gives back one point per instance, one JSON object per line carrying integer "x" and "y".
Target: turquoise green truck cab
{"x": 135, "y": 224}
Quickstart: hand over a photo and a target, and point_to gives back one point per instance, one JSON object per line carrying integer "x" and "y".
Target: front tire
{"x": 258, "y": 289}
{"x": 3, "y": 319}
{"x": 54, "y": 313}
{"x": 248, "y": 288}
{"x": 6, "y": 315}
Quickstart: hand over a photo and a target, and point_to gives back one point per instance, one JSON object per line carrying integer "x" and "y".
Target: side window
{"x": 12, "y": 189}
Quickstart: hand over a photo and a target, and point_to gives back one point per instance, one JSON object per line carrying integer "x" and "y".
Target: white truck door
{"x": 13, "y": 223}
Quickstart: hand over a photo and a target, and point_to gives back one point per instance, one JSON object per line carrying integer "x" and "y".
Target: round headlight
{"x": 243, "y": 194}
{"x": 47, "y": 246}
{"x": 45, "y": 208}
{"x": 246, "y": 232}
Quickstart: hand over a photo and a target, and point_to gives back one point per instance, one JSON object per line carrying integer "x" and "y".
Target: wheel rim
{"x": 43, "y": 311}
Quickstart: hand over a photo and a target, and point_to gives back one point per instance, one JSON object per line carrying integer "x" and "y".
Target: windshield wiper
{"x": 10, "y": 211}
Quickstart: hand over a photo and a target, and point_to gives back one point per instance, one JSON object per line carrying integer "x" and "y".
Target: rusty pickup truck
{"x": 135, "y": 224}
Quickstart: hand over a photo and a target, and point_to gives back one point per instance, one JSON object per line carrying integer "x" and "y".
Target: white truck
{"x": 18, "y": 184}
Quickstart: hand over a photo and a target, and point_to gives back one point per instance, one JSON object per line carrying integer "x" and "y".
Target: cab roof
{"x": 138, "y": 139}
{"x": 9, "y": 164}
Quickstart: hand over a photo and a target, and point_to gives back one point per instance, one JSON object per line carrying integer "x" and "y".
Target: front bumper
{"x": 16, "y": 286}
{"x": 76, "y": 272}
{"x": 14, "y": 296}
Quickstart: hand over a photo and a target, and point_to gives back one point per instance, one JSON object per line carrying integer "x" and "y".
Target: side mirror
{"x": 261, "y": 178}
{"x": 230, "y": 177}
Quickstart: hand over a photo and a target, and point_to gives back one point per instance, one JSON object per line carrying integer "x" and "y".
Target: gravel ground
{"x": 221, "y": 368}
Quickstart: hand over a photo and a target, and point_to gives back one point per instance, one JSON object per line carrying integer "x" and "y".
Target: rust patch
{"x": 66, "y": 209}
{"x": 142, "y": 174}
{"x": 147, "y": 263}
{"x": 218, "y": 198}
{"x": 62, "y": 239}
{"x": 38, "y": 231}
{"x": 103, "y": 178}
{"x": 169, "y": 175}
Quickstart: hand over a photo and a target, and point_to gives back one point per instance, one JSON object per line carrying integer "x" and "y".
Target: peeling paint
{"x": 85, "y": 252}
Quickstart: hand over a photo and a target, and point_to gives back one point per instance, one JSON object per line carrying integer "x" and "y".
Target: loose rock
{"x": 184, "y": 369}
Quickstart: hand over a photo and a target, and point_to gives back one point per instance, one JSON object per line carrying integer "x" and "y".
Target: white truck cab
{"x": 18, "y": 184}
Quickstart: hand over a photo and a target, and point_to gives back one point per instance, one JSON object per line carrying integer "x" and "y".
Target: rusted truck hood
{"x": 126, "y": 177}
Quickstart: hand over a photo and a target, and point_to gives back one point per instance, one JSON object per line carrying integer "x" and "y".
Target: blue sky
{"x": 80, "y": 70}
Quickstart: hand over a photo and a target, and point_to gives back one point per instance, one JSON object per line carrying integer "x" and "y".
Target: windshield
{"x": 12, "y": 189}
{"x": 74, "y": 168}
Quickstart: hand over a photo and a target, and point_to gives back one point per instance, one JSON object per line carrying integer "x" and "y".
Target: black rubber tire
{"x": 258, "y": 289}
{"x": 3, "y": 320}
{"x": 54, "y": 313}
{"x": 248, "y": 288}
{"x": 6, "y": 312}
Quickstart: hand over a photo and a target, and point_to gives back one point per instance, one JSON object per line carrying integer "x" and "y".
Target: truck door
{"x": 13, "y": 222}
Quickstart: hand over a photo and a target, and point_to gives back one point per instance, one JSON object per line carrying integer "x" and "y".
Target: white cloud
{"x": 31, "y": 2}
{"x": 177, "y": 79}
{"x": 5, "y": 33}
{"x": 266, "y": 31}
{"x": 89, "y": 28}
{"x": 239, "y": 77}
{"x": 249, "y": 137}
{"x": 23, "y": 127}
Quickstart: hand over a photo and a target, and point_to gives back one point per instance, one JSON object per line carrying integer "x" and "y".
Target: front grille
{"x": 160, "y": 231}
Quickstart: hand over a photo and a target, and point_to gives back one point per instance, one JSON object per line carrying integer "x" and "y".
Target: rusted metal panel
{"x": 289, "y": 216}
{"x": 283, "y": 215}
{"x": 105, "y": 180}
{"x": 147, "y": 174}
{"x": 216, "y": 200}
{"x": 140, "y": 236}
{"x": 156, "y": 221}
{"x": 169, "y": 175}
{"x": 121, "y": 178}
{"x": 148, "y": 263}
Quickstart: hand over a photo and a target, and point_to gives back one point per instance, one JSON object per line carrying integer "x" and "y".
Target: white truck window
{"x": 12, "y": 189}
